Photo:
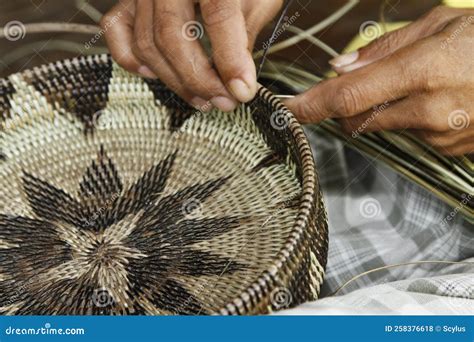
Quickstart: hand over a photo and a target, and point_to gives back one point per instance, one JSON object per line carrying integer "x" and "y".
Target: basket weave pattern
{"x": 119, "y": 198}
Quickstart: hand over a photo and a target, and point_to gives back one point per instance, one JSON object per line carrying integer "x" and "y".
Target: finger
{"x": 118, "y": 27}
{"x": 464, "y": 147}
{"x": 145, "y": 50}
{"x": 417, "y": 112}
{"x": 443, "y": 139}
{"x": 176, "y": 34}
{"x": 431, "y": 23}
{"x": 225, "y": 24}
{"x": 259, "y": 13}
{"x": 390, "y": 79}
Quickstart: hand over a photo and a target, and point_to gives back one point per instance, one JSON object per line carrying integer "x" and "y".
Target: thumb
{"x": 431, "y": 23}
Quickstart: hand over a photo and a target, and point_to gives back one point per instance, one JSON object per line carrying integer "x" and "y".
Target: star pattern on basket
{"x": 90, "y": 79}
{"x": 86, "y": 96}
{"x": 110, "y": 249}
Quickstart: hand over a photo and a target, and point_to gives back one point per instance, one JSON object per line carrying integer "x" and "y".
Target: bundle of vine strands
{"x": 449, "y": 178}
{"x": 119, "y": 198}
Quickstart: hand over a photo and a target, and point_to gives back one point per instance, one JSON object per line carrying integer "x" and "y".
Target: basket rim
{"x": 309, "y": 188}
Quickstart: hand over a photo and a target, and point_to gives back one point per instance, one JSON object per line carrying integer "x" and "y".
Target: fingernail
{"x": 241, "y": 90}
{"x": 201, "y": 104}
{"x": 198, "y": 102}
{"x": 223, "y": 103}
{"x": 146, "y": 72}
{"x": 344, "y": 60}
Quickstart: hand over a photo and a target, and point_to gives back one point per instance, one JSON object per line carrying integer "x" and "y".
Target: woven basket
{"x": 119, "y": 198}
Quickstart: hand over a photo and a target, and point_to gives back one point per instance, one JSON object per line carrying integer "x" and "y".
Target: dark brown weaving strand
{"x": 117, "y": 198}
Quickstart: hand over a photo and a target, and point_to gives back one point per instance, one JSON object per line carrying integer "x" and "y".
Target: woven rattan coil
{"x": 119, "y": 198}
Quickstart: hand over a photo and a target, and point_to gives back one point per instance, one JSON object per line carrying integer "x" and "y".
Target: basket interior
{"x": 119, "y": 198}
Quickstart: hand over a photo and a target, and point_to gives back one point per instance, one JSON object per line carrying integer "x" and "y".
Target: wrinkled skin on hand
{"x": 161, "y": 38}
{"x": 419, "y": 78}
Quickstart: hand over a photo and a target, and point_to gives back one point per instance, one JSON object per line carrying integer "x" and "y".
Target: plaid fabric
{"x": 445, "y": 295}
{"x": 377, "y": 218}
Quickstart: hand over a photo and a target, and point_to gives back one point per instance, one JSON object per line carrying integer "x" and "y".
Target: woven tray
{"x": 119, "y": 198}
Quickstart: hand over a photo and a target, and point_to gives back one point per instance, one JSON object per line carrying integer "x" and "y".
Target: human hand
{"x": 160, "y": 38}
{"x": 419, "y": 78}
